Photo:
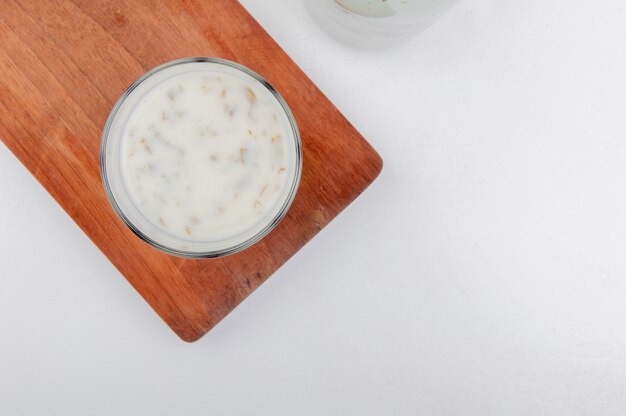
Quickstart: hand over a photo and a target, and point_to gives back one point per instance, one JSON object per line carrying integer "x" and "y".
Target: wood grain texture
{"x": 64, "y": 64}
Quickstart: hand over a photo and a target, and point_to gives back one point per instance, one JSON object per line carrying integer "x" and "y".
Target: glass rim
{"x": 219, "y": 252}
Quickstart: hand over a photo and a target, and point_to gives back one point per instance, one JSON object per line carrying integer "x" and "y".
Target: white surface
{"x": 482, "y": 274}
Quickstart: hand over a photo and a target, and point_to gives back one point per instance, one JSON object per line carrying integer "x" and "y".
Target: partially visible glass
{"x": 376, "y": 23}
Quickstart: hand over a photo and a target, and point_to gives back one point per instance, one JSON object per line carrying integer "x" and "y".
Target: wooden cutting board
{"x": 64, "y": 63}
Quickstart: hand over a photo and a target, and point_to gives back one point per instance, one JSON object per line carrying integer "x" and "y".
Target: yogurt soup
{"x": 201, "y": 157}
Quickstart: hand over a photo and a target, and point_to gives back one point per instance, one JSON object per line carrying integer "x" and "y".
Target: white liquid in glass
{"x": 205, "y": 155}
{"x": 375, "y": 23}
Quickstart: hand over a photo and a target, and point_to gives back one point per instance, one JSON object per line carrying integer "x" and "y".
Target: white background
{"x": 484, "y": 272}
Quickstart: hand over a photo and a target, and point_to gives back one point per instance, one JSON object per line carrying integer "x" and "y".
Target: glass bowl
{"x": 112, "y": 169}
{"x": 376, "y": 23}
